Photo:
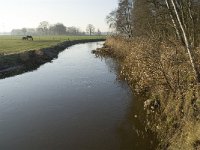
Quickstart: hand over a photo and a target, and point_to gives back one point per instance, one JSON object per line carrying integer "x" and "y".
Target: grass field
{"x": 14, "y": 44}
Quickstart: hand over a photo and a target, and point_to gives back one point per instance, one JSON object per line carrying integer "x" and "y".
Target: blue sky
{"x": 28, "y": 13}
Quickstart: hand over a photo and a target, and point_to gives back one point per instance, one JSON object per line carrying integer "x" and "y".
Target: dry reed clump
{"x": 162, "y": 71}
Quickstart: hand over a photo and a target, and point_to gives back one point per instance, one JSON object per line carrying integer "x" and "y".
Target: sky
{"x": 16, "y": 14}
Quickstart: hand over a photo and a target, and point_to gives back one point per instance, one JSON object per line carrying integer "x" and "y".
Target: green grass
{"x": 14, "y": 44}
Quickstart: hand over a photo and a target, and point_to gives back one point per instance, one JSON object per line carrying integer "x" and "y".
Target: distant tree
{"x": 43, "y": 27}
{"x": 90, "y": 29}
{"x": 31, "y": 31}
{"x": 58, "y": 29}
{"x": 52, "y": 30}
{"x": 83, "y": 33}
{"x": 17, "y": 32}
{"x": 73, "y": 31}
{"x": 98, "y": 32}
{"x": 24, "y": 31}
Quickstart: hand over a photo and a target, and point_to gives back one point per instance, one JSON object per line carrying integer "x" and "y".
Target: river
{"x": 71, "y": 103}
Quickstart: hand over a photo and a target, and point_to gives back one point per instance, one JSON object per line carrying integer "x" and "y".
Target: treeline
{"x": 45, "y": 28}
{"x": 166, "y": 20}
{"x": 165, "y": 17}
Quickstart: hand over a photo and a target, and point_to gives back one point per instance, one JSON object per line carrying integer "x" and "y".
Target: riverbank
{"x": 13, "y": 64}
{"x": 161, "y": 73}
{"x": 14, "y": 44}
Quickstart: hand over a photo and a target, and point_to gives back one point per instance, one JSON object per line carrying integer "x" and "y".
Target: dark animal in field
{"x": 28, "y": 37}
{"x": 24, "y": 38}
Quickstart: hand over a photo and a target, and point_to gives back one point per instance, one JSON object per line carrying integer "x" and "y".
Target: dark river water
{"x": 72, "y": 103}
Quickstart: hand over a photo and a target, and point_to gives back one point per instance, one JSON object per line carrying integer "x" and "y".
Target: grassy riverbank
{"x": 14, "y": 44}
{"x": 23, "y": 61}
{"x": 161, "y": 72}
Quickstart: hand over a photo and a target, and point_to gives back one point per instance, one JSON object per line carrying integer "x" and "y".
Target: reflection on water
{"x": 133, "y": 132}
{"x": 72, "y": 103}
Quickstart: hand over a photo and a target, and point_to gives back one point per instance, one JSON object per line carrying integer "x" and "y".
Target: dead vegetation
{"x": 162, "y": 70}
{"x": 158, "y": 45}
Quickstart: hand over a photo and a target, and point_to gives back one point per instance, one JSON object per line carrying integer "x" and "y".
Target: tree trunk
{"x": 173, "y": 21}
{"x": 188, "y": 46}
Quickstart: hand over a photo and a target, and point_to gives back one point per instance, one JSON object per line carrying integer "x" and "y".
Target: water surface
{"x": 72, "y": 103}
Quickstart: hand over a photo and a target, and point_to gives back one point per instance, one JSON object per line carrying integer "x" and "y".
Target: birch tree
{"x": 123, "y": 17}
{"x": 182, "y": 18}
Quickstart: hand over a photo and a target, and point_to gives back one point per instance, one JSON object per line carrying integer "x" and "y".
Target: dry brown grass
{"x": 162, "y": 70}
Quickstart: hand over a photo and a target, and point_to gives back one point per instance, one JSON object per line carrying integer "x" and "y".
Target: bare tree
{"x": 90, "y": 29}
{"x": 44, "y": 27}
{"x": 24, "y": 31}
{"x": 182, "y": 18}
{"x": 73, "y": 31}
{"x": 99, "y": 32}
{"x": 58, "y": 29}
{"x": 123, "y": 15}
{"x": 111, "y": 19}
